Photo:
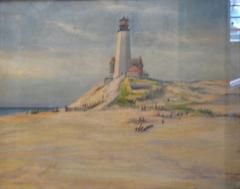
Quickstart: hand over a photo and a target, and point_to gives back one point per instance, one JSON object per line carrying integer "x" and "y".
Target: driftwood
{"x": 142, "y": 128}
{"x": 148, "y": 127}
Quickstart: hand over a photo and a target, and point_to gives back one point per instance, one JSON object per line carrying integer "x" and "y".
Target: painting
{"x": 126, "y": 94}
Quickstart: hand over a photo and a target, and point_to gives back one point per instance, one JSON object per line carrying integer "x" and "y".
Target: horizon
{"x": 51, "y": 57}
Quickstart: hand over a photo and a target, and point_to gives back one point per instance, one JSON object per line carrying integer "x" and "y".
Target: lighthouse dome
{"x": 123, "y": 24}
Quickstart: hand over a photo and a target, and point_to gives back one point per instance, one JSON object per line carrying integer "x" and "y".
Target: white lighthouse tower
{"x": 122, "y": 54}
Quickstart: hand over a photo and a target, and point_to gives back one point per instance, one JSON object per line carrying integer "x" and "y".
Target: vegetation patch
{"x": 124, "y": 93}
{"x": 133, "y": 89}
{"x": 198, "y": 90}
{"x": 155, "y": 93}
{"x": 206, "y": 112}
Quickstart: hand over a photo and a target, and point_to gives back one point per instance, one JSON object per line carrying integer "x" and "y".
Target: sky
{"x": 51, "y": 52}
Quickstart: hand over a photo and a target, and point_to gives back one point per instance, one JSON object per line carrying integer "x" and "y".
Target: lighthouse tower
{"x": 122, "y": 54}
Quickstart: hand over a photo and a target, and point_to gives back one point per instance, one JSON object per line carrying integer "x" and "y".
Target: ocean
{"x": 15, "y": 110}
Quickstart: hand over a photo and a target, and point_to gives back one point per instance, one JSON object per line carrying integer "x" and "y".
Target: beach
{"x": 101, "y": 149}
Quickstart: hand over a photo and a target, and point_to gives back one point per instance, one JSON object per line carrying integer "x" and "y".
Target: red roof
{"x": 135, "y": 69}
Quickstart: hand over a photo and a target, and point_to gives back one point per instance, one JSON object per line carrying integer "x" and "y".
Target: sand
{"x": 100, "y": 149}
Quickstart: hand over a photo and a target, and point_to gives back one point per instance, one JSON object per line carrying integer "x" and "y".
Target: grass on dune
{"x": 147, "y": 89}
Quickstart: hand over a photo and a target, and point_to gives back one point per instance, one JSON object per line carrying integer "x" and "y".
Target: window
{"x": 235, "y": 20}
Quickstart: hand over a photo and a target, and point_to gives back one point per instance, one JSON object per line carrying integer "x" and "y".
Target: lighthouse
{"x": 122, "y": 63}
{"x": 122, "y": 51}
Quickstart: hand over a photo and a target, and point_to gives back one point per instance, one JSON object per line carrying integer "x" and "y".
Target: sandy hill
{"x": 99, "y": 96}
{"x": 136, "y": 93}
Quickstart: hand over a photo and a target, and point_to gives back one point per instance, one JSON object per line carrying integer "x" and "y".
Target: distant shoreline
{"x": 4, "y": 111}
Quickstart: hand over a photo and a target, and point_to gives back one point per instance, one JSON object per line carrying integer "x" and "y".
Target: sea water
{"x": 15, "y": 110}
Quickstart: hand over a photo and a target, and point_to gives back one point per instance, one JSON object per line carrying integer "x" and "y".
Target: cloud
{"x": 74, "y": 30}
{"x": 21, "y": 66}
{"x": 160, "y": 10}
{"x": 140, "y": 7}
{"x": 14, "y": 17}
{"x": 53, "y": 65}
{"x": 117, "y": 7}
